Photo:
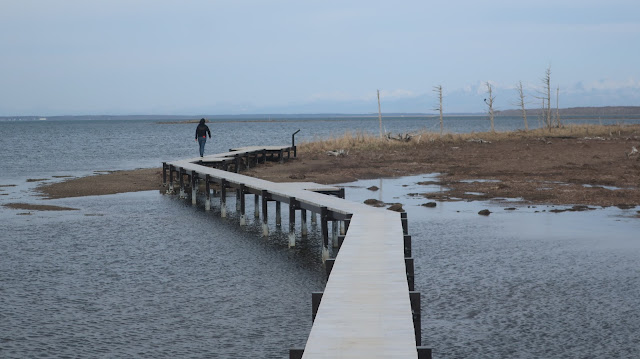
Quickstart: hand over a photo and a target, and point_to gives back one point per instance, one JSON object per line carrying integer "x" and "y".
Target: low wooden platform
{"x": 367, "y": 309}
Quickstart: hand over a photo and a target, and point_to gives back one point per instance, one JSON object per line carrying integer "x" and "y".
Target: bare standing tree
{"x": 489, "y": 102}
{"x": 379, "y": 114}
{"x": 545, "y": 96}
{"x": 522, "y": 104}
{"x": 438, "y": 90}
{"x": 558, "y": 122}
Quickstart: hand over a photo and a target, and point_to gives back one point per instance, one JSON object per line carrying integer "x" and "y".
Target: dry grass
{"x": 369, "y": 142}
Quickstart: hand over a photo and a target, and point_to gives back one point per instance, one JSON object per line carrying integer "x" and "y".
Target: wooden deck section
{"x": 367, "y": 309}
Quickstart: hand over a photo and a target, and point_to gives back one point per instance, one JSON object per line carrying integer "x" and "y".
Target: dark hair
{"x": 202, "y": 120}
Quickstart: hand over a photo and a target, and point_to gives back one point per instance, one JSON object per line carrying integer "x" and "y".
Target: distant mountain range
{"x": 608, "y": 111}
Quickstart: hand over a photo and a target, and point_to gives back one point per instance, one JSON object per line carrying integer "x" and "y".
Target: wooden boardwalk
{"x": 366, "y": 309}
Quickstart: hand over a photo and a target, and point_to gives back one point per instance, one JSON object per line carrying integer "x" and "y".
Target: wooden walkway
{"x": 368, "y": 308}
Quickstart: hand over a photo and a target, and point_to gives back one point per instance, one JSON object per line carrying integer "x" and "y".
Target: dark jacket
{"x": 202, "y": 130}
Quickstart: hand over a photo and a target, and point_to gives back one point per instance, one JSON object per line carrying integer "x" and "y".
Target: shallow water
{"x": 144, "y": 275}
{"x": 147, "y": 275}
{"x": 521, "y": 284}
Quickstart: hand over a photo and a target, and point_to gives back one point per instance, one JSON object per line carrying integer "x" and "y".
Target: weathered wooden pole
{"x": 223, "y": 198}
{"x": 194, "y": 186}
{"x": 207, "y": 193}
{"x": 293, "y": 205}
{"x": 243, "y": 219}
{"x": 303, "y": 220}
{"x": 324, "y": 214}
{"x": 278, "y": 214}
{"x": 256, "y": 206}
{"x": 265, "y": 225}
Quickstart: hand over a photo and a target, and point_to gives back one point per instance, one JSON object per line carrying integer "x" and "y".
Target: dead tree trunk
{"x": 522, "y": 105}
{"x": 489, "y": 102}
{"x": 438, "y": 89}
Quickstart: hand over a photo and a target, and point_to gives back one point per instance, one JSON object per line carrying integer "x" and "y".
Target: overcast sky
{"x": 297, "y": 56}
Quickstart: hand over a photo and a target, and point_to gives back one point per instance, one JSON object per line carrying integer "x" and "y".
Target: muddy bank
{"x": 108, "y": 183}
{"x": 545, "y": 170}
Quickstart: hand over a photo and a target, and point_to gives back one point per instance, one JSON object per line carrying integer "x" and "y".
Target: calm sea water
{"x": 150, "y": 276}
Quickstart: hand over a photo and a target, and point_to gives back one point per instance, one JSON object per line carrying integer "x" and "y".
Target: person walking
{"x": 201, "y": 135}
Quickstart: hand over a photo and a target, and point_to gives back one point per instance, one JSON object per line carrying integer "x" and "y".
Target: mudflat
{"x": 570, "y": 167}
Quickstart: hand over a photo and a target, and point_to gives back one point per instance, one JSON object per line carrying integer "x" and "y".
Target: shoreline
{"x": 593, "y": 170}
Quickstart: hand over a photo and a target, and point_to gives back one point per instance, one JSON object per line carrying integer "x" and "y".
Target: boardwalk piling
{"x": 181, "y": 177}
{"x": 414, "y": 297}
{"x": 325, "y": 233}
{"x": 335, "y": 229}
{"x": 405, "y": 224}
{"x": 194, "y": 186}
{"x": 265, "y": 225}
{"x": 316, "y": 298}
{"x": 293, "y": 205}
{"x": 207, "y": 193}
{"x": 410, "y": 273}
{"x": 278, "y": 214}
{"x": 303, "y": 221}
{"x": 223, "y": 198}
{"x": 243, "y": 219}
{"x": 256, "y": 206}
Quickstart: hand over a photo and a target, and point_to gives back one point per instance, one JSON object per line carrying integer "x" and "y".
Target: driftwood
{"x": 338, "y": 153}
{"x": 634, "y": 153}
{"x": 406, "y": 137}
{"x": 478, "y": 140}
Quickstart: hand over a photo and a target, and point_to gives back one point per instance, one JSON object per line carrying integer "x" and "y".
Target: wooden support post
{"x": 164, "y": 174}
{"x": 237, "y": 199}
{"x": 408, "y": 262}
{"x": 181, "y": 174}
{"x": 335, "y": 229}
{"x": 324, "y": 214}
{"x": 278, "y": 214}
{"x": 316, "y": 298}
{"x": 243, "y": 219}
{"x": 237, "y": 158}
{"x": 405, "y": 224}
{"x": 340, "y": 241}
{"x": 265, "y": 225}
{"x": 314, "y": 219}
{"x": 407, "y": 246}
{"x": 170, "y": 179}
{"x": 414, "y": 297}
{"x": 303, "y": 220}
{"x": 296, "y": 353}
{"x": 256, "y": 207}
{"x": 423, "y": 353}
{"x": 207, "y": 193}
{"x": 293, "y": 205}
{"x": 281, "y": 156}
{"x": 347, "y": 222}
{"x": 264, "y": 156}
{"x": 223, "y": 198}
{"x": 194, "y": 186}
{"x": 328, "y": 266}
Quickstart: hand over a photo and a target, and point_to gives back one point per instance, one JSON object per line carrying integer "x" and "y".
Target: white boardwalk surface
{"x": 365, "y": 310}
